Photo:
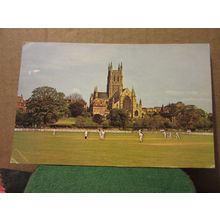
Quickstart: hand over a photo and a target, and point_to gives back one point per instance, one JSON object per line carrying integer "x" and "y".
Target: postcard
{"x": 126, "y": 105}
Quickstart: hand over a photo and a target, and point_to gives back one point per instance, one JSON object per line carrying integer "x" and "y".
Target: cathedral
{"x": 116, "y": 96}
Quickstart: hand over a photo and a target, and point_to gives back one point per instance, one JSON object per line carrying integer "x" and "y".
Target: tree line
{"x": 46, "y": 106}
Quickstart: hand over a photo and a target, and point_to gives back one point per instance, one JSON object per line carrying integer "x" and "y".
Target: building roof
{"x": 21, "y": 103}
{"x": 100, "y": 103}
{"x": 102, "y": 95}
{"x": 20, "y": 98}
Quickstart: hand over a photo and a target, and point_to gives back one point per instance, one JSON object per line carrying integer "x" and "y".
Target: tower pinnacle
{"x": 120, "y": 66}
{"x": 140, "y": 102}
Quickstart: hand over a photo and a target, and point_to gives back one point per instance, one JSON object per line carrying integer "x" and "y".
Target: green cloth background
{"x": 83, "y": 179}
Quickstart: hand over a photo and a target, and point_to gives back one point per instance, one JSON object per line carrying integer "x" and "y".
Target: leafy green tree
{"x": 76, "y": 109}
{"x": 76, "y": 105}
{"x": 24, "y": 119}
{"x": 192, "y": 118}
{"x": 83, "y": 122}
{"x": 97, "y": 118}
{"x": 171, "y": 110}
{"x": 106, "y": 124}
{"x": 46, "y": 105}
{"x": 138, "y": 124}
{"x": 186, "y": 117}
{"x": 156, "y": 122}
{"x": 203, "y": 123}
{"x": 118, "y": 118}
{"x": 19, "y": 118}
{"x": 210, "y": 119}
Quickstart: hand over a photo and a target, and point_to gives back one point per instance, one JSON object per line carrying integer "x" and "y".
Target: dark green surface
{"x": 108, "y": 179}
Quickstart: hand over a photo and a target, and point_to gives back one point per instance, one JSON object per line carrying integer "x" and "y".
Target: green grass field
{"x": 116, "y": 150}
{"x": 66, "y": 121}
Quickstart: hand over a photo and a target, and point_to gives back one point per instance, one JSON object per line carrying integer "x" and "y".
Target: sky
{"x": 159, "y": 73}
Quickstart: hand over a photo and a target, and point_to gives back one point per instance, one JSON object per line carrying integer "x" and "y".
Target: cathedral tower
{"x": 115, "y": 80}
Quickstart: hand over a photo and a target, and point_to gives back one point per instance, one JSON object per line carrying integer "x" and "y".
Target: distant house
{"x": 151, "y": 110}
{"x": 99, "y": 103}
{"x": 21, "y": 104}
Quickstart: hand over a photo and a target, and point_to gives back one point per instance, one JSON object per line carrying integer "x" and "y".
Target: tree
{"x": 171, "y": 110}
{"x": 83, "y": 122}
{"x": 118, "y": 118}
{"x": 46, "y": 105}
{"x": 184, "y": 116}
{"x": 156, "y": 122}
{"x": 24, "y": 119}
{"x": 193, "y": 118}
{"x": 210, "y": 119}
{"x": 106, "y": 124}
{"x": 138, "y": 124}
{"x": 76, "y": 109}
{"x": 97, "y": 118}
{"x": 74, "y": 97}
{"x": 19, "y": 118}
{"x": 76, "y": 105}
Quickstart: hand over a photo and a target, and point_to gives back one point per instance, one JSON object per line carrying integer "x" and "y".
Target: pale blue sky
{"x": 159, "y": 73}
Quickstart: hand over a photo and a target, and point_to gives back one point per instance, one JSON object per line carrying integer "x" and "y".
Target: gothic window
{"x": 136, "y": 113}
{"x": 114, "y": 78}
{"x": 118, "y": 79}
{"x": 127, "y": 104}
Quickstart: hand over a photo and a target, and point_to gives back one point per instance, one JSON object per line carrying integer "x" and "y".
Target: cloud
{"x": 200, "y": 99}
{"x": 36, "y": 71}
{"x": 30, "y": 72}
{"x": 180, "y": 93}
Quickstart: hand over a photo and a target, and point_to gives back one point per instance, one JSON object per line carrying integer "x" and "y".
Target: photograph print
{"x": 125, "y": 105}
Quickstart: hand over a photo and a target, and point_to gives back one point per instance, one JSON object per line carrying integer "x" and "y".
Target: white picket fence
{"x": 69, "y": 130}
{"x": 96, "y": 130}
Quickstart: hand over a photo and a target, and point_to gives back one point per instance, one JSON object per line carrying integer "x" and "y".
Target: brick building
{"x": 21, "y": 104}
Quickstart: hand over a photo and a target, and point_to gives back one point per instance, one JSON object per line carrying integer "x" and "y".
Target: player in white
{"x": 170, "y": 135}
{"x": 164, "y": 134}
{"x": 86, "y": 134}
{"x": 177, "y": 135}
{"x": 103, "y": 134}
{"x": 100, "y": 134}
{"x": 141, "y": 135}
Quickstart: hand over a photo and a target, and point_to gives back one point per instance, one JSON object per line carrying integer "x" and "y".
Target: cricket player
{"x": 86, "y": 134}
{"x": 164, "y": 134}
{"x": 100, "y": 134}
{"x": 170, "y": 135}
{"x": 103, "y": 134}
{"x": 177, "y": 135}
{"x": 139, "y": 131}
{"x": 141, "y": 136}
